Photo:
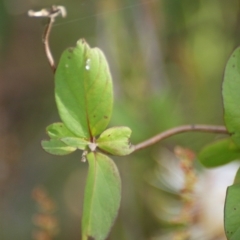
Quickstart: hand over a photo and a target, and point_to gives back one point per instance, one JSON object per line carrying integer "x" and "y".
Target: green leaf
{"x": 83, "y": 90}
{"x": 219, "y": 153}
{"x": 102, "y": 197}
{"x": 57, "y": 147}
{"x": 232, "y": 213}
{"x": 58, "y": 130}
{"x": 116, "y": 141}
{"x": 75, "y": 142}
{"x": 231, "y": 96}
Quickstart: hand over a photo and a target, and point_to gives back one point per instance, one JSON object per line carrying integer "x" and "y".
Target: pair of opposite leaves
{"x": 84, "y": 97}
{"x": 228, "y": 149}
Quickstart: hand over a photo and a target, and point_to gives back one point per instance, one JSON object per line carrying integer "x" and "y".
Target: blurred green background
{"x": 167, "y": 59}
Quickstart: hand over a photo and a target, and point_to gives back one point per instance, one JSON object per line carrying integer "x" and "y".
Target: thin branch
{"x": 180, "y": 129}
{"x": 51, "y": 14}
{"x": 46, "y": 44}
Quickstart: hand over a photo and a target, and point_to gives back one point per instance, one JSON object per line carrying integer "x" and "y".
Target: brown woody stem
{"x": 180, "y": 129}
{"x": 46, "y": 44}
{"x": 51, "y": 14}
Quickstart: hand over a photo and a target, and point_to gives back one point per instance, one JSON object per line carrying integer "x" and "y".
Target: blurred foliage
{"x": 4, "y": 24}
{"x": 167, "y": 59}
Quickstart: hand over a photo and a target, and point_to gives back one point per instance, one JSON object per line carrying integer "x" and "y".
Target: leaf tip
{"x": 82, "y": 42}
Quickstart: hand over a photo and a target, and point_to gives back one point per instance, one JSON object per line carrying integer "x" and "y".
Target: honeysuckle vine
{"x": 56, "y": 11}
{"x": 84, "y": 98}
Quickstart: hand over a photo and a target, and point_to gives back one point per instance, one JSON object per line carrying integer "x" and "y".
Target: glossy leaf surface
{"x": 102, "y": 197}
{"x": 83, "y": 90}
{"x": 232, "y": 213}
{"x": 58, "y": 130}
{"x": 231, "y": 96}
{"x": 116, "y": 141}
{"x": 219, "y": 153}
{"x": 57, "y": 147}
{"x": 75, "y": 142}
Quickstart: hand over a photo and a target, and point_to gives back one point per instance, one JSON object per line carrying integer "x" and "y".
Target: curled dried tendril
{"x": 52, "y": 12}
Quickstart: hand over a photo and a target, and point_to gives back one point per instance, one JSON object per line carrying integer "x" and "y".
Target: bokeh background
{"x": 167, "y": 60}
